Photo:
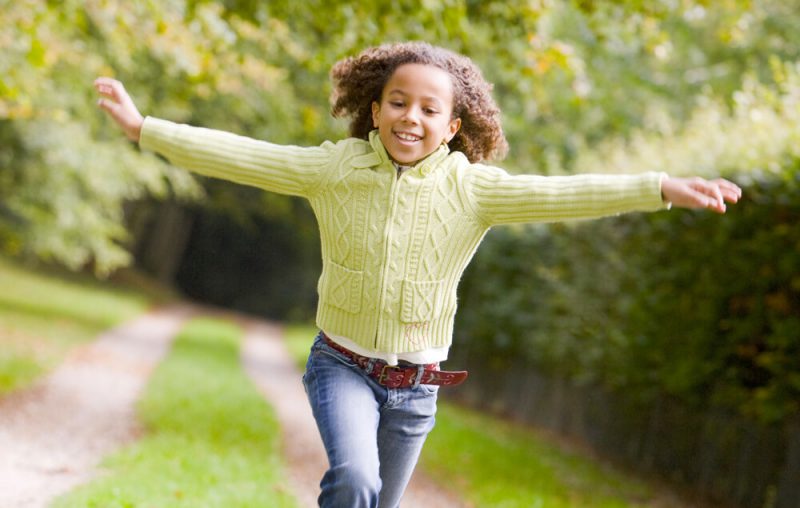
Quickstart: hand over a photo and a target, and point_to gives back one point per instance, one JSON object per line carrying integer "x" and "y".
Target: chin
{"x": 405, "y": 160}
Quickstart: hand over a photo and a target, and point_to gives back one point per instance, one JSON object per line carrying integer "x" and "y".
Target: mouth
{"x": 407, "y": 137}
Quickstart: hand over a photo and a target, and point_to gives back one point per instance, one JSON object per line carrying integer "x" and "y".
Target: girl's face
{"x": 415, "y": 114}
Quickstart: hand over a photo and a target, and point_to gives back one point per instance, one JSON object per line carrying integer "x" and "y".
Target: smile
{"x": 405, "y": 136}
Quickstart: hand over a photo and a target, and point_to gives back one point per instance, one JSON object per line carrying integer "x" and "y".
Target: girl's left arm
{"x": 700, "y": 193}
{"x": 500, "y": 198}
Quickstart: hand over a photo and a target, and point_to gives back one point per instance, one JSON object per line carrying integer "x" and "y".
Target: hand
{"x": 119, "y": 105}
{"x": 700, "y": 193}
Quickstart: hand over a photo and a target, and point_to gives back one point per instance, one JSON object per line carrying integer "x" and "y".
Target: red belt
{"x": 399, "y": 376}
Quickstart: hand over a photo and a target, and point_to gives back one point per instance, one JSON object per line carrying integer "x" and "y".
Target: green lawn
{"x": 210, "y": 441}
{"x": 498, "y": 464}
{"x": 492, "y": 463}
{"x": 44, "y": 314}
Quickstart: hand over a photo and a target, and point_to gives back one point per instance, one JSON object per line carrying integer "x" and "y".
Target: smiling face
{"x": 415, "y": 114}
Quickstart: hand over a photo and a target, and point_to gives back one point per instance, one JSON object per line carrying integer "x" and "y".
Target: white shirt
{"x": 432, "y": 355}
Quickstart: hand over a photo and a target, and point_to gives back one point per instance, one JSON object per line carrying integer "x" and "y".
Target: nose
{"x": 411, "y": 115}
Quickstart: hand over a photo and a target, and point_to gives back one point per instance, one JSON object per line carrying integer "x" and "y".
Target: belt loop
{"x": 420, "y": 372}
{"x": 370, "y": 365}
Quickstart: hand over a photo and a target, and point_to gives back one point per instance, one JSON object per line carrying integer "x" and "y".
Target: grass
{"x": 210, "y": 438}
{"x": 499, "y": 464}
{"x": 298, "y": 339}
{"x": 493, "y": 463}
{"x": 44, "y": 314}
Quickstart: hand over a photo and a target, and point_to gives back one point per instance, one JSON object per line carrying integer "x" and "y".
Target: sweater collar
{"x": 380, "y": 156}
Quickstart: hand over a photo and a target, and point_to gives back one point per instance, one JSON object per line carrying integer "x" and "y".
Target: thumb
{"x": 129, "y": 121}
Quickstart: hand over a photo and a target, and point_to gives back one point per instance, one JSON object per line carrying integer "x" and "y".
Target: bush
{"x": 700, "y": 307}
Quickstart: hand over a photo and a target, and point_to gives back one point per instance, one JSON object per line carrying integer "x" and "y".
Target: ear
{"x": 376, "y": 111}
{"x": 452, "y": 129}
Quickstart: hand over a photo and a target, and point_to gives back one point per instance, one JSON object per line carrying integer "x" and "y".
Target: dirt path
{"x": 268, "y": 363}
{"x": 53, "y": 435}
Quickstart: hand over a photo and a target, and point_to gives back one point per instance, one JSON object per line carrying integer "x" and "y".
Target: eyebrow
{"x": 429, "y": 97}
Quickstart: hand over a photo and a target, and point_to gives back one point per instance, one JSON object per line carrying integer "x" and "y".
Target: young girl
{"x": 402, "y": 206}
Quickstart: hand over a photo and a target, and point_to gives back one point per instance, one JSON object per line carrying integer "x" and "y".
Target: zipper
{"x": 386, "y": 248}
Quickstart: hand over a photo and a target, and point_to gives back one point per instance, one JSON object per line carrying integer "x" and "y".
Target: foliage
{"x": 689, "y": 304}
{"x": 211, "y": 440}
{"x": 667, "y": 304}
{"x": 281, "y": 254}
{"x": 758, "y": 138}
{"x": 686, "y": 86}
{"x": 568, "y": 75}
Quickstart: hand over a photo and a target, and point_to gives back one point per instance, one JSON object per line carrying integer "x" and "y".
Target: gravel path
{"x": 268, "y": 363}
{"x": 54, "y": 434}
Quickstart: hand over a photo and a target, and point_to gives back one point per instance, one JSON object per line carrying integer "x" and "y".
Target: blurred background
{"x": 668, "y": 341}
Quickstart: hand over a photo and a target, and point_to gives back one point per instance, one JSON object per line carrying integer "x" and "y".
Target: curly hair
{"x": 359, "y": 81}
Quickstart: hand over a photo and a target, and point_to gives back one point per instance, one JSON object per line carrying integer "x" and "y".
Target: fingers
{"x": 701, "y": 193}
{"x": 118, "y": 104}
{"x": 110, "y": 107}
{"x": 715, "y": 193}
{"x": 730, "y": 191}
{"x": 110, "y": 88}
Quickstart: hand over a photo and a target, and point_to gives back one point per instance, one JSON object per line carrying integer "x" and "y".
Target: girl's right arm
{"x": 284, "y": 169}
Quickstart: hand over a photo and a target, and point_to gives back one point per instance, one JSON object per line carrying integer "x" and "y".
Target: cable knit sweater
{"x": 394, "y": 248}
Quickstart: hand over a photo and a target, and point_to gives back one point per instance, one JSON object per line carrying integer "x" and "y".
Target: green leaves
{"x": 583, "y": 85}
{"x": 688, "y": 87}
{"x": 698, "y": 306}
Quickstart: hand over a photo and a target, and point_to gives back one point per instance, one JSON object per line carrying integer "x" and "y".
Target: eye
{"x": 396, "y": 104}
{"x": 430, "y": 111}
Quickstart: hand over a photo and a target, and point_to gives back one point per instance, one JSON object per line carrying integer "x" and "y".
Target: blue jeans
{"x": 372, "y": 434}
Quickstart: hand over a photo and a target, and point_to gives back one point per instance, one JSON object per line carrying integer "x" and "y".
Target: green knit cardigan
{"x": 394, "y": 249}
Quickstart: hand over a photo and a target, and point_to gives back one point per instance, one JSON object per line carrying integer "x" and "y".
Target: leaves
{"x": 687, "y": 87}
{"x": 690, "y": 304}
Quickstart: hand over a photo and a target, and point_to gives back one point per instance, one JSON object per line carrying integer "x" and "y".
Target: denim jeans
{"x": 372, "y": 434}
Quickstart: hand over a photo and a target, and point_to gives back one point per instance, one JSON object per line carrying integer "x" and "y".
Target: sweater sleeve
{"x": 283, "y": 169}
{"x": 501, "y": 198}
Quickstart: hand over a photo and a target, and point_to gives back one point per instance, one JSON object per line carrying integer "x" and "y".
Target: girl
{"x": 402, "y": 206}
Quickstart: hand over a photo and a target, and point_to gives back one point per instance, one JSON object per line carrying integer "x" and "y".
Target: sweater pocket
{"x": 341, "y": 287}
{"x": 422, "y": 301}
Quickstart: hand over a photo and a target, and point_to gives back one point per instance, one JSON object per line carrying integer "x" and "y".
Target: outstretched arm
{"x": 284, "y": 169}
{"x": 700, "y": 193}
{"x": 118, "y": 104}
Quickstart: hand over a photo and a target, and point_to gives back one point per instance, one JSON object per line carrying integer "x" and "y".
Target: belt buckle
{"x": 383, "y": 375}
{"x": 385, "y": 379}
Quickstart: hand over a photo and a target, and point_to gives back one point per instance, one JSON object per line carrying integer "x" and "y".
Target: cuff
{"x": 667, "y": 204}
{"x": 154, "y": 132}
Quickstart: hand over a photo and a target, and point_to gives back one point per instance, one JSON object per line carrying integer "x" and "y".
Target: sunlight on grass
{"x": 68, "y": 296}
{"x": 210, "y": 441}
{"x": 493, "y": 463}
{"x": 44, "y": 315}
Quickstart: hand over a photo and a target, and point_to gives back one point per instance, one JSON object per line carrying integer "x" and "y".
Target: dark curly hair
{"x": 359, "y": 80}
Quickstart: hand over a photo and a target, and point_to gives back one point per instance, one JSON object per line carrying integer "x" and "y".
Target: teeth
{"x": 407, "y": 137}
